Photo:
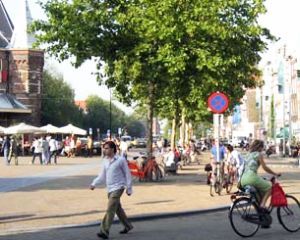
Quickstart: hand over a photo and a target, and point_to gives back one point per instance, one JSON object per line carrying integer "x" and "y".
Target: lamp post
{"x": 110, "y": 113}
{"x": 291, "y": 61}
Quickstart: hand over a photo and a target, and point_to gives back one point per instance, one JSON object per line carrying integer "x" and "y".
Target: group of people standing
{"x": 45, "y": 148}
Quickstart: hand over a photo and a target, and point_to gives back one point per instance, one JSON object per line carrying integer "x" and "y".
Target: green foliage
{"x": 58, "y": 106}
{"x": 98, "y": 116}
{"x": 184, "y": 50}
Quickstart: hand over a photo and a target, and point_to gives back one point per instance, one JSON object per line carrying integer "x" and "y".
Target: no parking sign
{"x": 218, "y": 102}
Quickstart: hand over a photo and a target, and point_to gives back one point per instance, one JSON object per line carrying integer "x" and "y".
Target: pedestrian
{"x": 5, "y": 149}
{"x": 45, "y": 151}
{"x": 14, "y": 150}
{"x": 234, "y": 161}
{"x": 53, "y": 147}
{"x": 124, "y": 148}
{"x": 37, "y": 150}
{"x": 90, "y": 146}
{"x": 116, "y": 174}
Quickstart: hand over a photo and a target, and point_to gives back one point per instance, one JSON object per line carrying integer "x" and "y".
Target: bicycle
{"x": 216, "y": 179}
{"x": 149, "y": 171}
{"x": 229, "y": 179}
{"x": 246, "y": 217}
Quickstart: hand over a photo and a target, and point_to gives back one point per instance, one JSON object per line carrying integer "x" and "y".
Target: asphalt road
{"x": 211, "y": 226}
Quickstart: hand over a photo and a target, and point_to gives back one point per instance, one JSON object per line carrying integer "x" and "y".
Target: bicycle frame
{"x": 246, "y": 216}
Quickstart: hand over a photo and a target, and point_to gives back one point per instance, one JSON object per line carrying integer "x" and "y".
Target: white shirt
{"x": 115, "y": 174}
{"x": 53, "y": 145}
{"x": 169, "y": 158}
{"x": 236, "y": 159}
{"x": 123, "y": 146}
{"x": 37, "y": 144}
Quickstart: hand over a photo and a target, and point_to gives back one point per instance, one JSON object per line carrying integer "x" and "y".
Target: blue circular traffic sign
{"x": 218, "y": 102}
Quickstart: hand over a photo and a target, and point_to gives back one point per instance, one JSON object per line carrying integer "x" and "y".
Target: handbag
{"x": 208, "y": 167}
{"x": 278, "y": 198}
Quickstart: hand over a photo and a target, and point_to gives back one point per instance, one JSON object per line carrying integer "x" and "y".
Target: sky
{"x": 282, "y": 18}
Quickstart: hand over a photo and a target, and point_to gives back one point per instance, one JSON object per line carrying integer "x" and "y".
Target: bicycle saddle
{"x": 249, "y": 189}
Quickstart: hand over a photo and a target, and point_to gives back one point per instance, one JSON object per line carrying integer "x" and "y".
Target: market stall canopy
{"x": 49, "y": 128}
{"x": 71, "y": 129}
{"x": 23, "y": 128}
{"x": 2, "y": 129}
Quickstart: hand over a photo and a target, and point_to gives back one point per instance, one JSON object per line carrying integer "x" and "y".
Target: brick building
{"x": 21, "y": 69}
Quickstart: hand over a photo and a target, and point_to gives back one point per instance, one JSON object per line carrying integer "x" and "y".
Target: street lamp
{"x": 110, "y": 113}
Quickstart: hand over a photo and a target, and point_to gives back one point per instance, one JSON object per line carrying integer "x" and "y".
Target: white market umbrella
{"x": 23, "y": 128}
{"x": 71, "y": 129}
{"x": 49, "y": 128}
{"x": 2, "y": 130}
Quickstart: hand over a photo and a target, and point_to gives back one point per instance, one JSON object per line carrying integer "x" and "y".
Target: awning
{"x": 9, "y": 104}
{"x": 71, "y": 129}
{"x": 23, "y": 128}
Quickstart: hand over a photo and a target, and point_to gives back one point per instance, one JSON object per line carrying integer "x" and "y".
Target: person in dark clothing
{"x": 5, "y": 149}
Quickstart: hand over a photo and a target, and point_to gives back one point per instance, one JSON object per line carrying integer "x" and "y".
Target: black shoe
{"x": 265, "y": 226}
{"x": 102, "y": 235}
{"x": 126, "y": 230}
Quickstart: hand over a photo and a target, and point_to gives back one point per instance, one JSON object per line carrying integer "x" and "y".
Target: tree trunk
{"x": 150, "y": 120}
{"x": 182, "y": 130}
{"x": 173, "y": 136}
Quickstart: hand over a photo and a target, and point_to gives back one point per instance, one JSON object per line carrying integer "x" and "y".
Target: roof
{"x": 21, "y": 38}
{"x": 6, "y": 27}
{"x": 9, "y": 104}
{"x": 81, "y": 104}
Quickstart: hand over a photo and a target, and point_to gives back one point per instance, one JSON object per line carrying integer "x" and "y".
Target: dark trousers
{"x": 39, "y": 155}
{"x": 53, "y": 154}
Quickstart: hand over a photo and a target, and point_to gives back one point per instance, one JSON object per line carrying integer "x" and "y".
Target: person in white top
{"x": 37, "y": 150}
{"x": 235, "y": 160}
{"x": 116, "y": 175}
{"x": 124, "y": 148}
{"x": 53, "y": 147}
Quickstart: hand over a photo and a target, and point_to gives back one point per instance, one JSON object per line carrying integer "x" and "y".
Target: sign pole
{"x": 218, "y": 103}
{"x": 217, "y": 142}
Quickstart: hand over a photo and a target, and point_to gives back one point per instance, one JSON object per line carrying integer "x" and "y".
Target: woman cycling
{"x": 253, "y": 160}
{"x": 234, "y": 161}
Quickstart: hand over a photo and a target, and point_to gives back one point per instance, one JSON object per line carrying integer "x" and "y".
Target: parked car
{"x": 97, "y": 148}
{"x": 140, "y": 142}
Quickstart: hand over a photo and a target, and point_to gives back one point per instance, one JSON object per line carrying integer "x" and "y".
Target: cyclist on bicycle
{"x": 234, "y": 161}
{"x": 214, "y": 160}
{"x": 253, "y": 161}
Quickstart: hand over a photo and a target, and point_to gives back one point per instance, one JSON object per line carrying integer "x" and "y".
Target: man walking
{"x": 5, "y": 149}
{"x": 115, "y": 173}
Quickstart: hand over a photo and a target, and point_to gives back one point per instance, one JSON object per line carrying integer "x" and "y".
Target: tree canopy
{"x": 58, "y": 107}
{"x": 169, "y": 54}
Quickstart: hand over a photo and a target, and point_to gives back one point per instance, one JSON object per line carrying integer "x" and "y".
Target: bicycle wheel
{"x": 289, "y": 216}
{"x": 239, "y": 215}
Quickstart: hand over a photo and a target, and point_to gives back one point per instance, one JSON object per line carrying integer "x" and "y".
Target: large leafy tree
{"x": 161, "y": 49}
{"x": 99, "y": 114}
{"x": 58, "y": 107}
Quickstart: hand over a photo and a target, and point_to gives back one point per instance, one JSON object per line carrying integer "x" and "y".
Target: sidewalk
{"x": 64, "y": 199}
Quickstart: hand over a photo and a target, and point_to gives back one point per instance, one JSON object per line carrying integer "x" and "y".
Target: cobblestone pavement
{"x": 38, "y": 197}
